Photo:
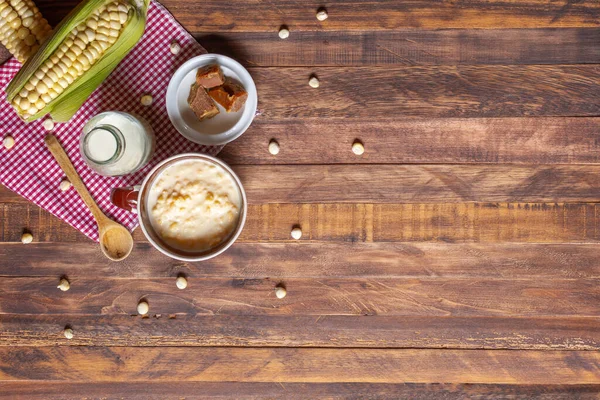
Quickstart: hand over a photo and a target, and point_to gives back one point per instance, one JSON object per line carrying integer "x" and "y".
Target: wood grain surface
{"x": 331, "y": 331}
{"x": 213, "y": 364}
{"x": 300, "y": 391}
{"x": 314, "y": 260}
{"x": 328, "y": 296}
{"x": 532, "y": 141}
{"x": 371, "y": 15}
{"x": 429, "y": 91}
{"x": 409, "y": 47}
{"x": 458, "y": 257}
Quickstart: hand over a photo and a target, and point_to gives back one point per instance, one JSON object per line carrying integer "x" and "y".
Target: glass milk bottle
{"x": 115, "y": 143}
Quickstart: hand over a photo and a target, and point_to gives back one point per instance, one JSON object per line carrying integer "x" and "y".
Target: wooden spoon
{"x": 115, "y": 240}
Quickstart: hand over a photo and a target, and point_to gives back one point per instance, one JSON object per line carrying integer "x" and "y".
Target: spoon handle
{"x": 65, "y": 164}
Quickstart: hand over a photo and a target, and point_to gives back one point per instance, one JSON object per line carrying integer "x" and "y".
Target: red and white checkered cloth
{"x": 30, "y": 170}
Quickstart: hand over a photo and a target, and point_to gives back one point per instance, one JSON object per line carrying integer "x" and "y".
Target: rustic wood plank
{"x": 335, "y": 296}
{"x": 264, "y": 16}
{"x": 301, "y": 391}
{"x": 196, "y": 364}
{"x": 314, "y": 260}
{"x": 429, "y": 91}
{"x": 487, "y": 223}
{"x": 409, "y": 47}
{"x": 543, "y": 140}
{"x": 379, "y": 184}
{"x": 382, "y": 15}
{"x": 565, "y": 333}
{"x": 4, "y": 54}
{"x": 460, "y": 223}
{"x": 419, "y": 183}
{"x": 424, "y": 222}
{"x": 21, "y": 217}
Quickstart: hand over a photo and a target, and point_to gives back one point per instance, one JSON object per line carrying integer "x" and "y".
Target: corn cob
{"x": 22, "y": 28}
{"x": 82, "y": 51}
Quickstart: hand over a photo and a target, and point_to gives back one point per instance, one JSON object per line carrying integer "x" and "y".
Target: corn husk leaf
{"x": 63, "y": 107}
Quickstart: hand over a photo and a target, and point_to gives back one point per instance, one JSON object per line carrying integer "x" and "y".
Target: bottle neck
{"x": 104, "y": 145}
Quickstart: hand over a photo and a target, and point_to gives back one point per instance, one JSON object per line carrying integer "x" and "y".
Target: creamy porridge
{"x": 194, "y": 205}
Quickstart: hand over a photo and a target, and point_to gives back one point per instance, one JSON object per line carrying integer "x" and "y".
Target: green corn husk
{"x": 63, "y": 107}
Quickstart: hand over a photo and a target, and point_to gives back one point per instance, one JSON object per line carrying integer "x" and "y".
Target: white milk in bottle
{"x": 116, "y": 143}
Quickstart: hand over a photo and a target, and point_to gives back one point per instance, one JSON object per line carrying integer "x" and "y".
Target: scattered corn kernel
{"x": 143, "y": 308}
{"x": 181, "y": 282}
{"x": 146, "y": 100}
{"x": 65, "y": 185}
{"x": 296, "y": 233}
{"x": 8, "y": 142}
{"x": 313, "y": 82}
{"x": 64, "y": 285}
{"x": 284, "y": 33}
{"x": 273, "y": 147}
{"x": 68, "y": 333}
{"x": 280, "y": 292}
{"x": 358, "y": 148}
{"x": 26, "y": 238}
{"x": 48, "y": 124}
{"x": 175, "y": 47}
{"x": 322, "y": 14}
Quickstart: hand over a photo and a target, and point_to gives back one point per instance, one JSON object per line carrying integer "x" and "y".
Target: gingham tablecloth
{"x": 29, "y": 169}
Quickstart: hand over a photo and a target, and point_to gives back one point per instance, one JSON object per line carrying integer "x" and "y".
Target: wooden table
{"x": 457, "y": 257}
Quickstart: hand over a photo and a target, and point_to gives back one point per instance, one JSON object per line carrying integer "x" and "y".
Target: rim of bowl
{"x": 222, "y": 246}
{"x": 240, "y": 126}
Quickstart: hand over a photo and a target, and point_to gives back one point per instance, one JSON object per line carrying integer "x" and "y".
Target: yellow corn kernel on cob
{"x": 22, "y": 28}
{"x": 81, "y": 52}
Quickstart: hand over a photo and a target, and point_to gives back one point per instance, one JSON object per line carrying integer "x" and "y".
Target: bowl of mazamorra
{"x": 191, "y": 207}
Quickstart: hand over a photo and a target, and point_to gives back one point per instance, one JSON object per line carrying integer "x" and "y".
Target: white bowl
{"x": 224, "y": 127}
